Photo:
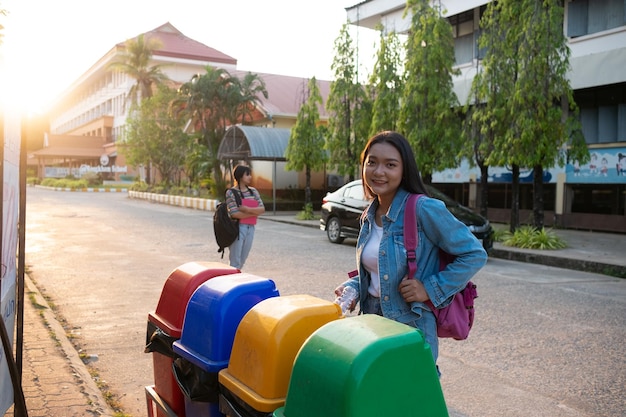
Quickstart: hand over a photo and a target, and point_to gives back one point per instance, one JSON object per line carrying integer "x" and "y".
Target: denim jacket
{"x": 437, "y": 228}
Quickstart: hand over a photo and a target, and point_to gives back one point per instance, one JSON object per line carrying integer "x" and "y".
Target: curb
{"x": 176, "y": 200}
{"x": 559, "y": 262}
{"x": 84, "y": 190}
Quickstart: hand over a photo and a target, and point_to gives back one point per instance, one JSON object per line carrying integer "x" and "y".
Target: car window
{"x": 355, "y": 192}
{"x": 435, "y": 193}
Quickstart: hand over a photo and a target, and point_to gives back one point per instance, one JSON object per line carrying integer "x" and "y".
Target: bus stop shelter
{"x": 253, "y": 143}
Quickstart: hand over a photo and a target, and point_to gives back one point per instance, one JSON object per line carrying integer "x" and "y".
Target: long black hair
{"x": 240, "y": 171}
{"x": 411, "y": 178}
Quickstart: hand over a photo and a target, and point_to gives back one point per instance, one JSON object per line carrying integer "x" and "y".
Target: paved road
{"x": 548, "y": 341}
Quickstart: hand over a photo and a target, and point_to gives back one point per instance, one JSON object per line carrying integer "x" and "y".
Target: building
{"x": 592, "y": 196}
{"x": 89, "y": 118}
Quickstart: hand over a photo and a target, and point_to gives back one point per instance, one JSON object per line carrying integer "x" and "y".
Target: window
{"x": 598, "y": 199}
{"x": 499, "y": 196}
{"x": 585, "y": 17}
{"x": 463, "y": 33}
{"x": 603, "y": 113}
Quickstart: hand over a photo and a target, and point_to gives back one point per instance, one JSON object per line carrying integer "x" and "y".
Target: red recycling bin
{"x": 168, "y": 319}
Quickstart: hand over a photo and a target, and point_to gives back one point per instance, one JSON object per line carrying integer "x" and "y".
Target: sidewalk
{"x": 56, "y": 383}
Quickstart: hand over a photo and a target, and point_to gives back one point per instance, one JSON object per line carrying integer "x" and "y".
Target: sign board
{"x": 10, "y": 202}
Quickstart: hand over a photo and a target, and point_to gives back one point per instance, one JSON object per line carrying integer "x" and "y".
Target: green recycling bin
{"x": 364, "y": 366}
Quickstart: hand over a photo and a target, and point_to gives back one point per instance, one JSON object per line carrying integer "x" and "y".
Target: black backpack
{"x": 225, "y": 228}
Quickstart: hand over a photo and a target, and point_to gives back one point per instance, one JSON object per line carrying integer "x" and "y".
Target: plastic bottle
{"x": 346, "y": 298}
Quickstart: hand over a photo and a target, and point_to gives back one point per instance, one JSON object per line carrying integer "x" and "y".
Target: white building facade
{"x": 590, "y": 197}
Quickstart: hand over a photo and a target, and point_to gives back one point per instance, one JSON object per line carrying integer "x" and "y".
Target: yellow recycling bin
{"x": 266, "y": 343}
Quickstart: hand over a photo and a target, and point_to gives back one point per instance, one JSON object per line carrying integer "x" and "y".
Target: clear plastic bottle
{"x": 346, "y": 298}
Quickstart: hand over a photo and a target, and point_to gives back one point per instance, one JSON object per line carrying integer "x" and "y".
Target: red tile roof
{"x": 286, "y": 94}
{"x": 175, "y": 44}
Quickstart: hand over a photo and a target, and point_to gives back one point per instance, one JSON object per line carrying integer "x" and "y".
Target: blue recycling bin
{"x": 213, "y": 314}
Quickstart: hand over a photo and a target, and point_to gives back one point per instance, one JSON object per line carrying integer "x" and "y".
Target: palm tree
{"x": 134, "y": 61}
{"x": 251, "y": 86}
{"x": 213, "y": 101}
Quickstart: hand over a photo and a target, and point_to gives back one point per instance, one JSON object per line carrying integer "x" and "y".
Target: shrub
{"x": 92, "y": 179}
{"x": 49, "y": 182}
{"x": 307, "y": 213}
{"x": 159, "y": 189}
{"x": 528, "y": 237}
{"x": 140, "y": 186}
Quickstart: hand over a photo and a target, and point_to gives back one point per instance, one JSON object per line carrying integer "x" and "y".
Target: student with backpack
{"x": 390, "y": 175}
{"x": 247, "y": 213}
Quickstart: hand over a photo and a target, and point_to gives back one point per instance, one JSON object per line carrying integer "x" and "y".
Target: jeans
{"x": 239, "y": 250}
{"x": 427, "y": 321}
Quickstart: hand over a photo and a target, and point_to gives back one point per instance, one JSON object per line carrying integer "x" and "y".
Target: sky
{"x": 48, "y": 44}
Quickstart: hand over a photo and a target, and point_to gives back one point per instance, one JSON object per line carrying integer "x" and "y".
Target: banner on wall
{"x": 10, "y": 197}
{"x": 464, "y": 173}
{"x": 607, "y": 166}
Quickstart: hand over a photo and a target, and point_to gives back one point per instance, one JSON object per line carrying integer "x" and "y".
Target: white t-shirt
{"x": 370, "y": 259}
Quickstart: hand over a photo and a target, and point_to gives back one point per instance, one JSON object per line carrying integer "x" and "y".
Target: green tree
{"x": 386, "y": 84}
{"x": 348, "y": 108}
{"x": 535, "y": 114}
{"x": 490, "y": 116}
{"x": 213, "y": 101}
{"x": 305, "y": 149}
{"x": 543, "y": 99}
{"x": 135, "y": 61}
{"x": 155, "y": 137}
{"x": 485, "y": 112}
{"x": 428, "y": 115}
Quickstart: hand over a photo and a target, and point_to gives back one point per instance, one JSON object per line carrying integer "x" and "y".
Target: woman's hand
{"x": 339, "y": 290}
{"x": 412, "y": 290}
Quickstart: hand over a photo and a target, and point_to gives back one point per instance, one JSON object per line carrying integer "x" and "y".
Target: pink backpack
{"x": 456, "y": 319}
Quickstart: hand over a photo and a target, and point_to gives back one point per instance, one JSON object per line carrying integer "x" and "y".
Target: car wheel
{"x": 333, "y": 230}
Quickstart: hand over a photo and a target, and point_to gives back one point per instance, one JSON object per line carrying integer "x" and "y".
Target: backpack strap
{"x": 410, "y": 233}
{"x": 237, "y": 194}
{"x": 410, "y": 239}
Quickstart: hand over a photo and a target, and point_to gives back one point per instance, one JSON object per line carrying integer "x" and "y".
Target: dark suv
{"x": 342, "y": 209}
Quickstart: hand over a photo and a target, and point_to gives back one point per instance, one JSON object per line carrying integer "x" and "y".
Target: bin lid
{"x": 266, "y": 343}
{"x": 364, "y": 366}
{"x": 213, "y": 314}
{"x": 177, "y": 290}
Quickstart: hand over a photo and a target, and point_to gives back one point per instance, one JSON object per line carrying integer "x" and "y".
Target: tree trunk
{"x": 484, "y": 189}
{"x": 538, "y": 214}
{"x": 515, "y": 199}
{"x": 149, "y": 173}
{"x": 220, "y": 185}
{"x": 427, "y": 178}
{"x": 307, "y": 188}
